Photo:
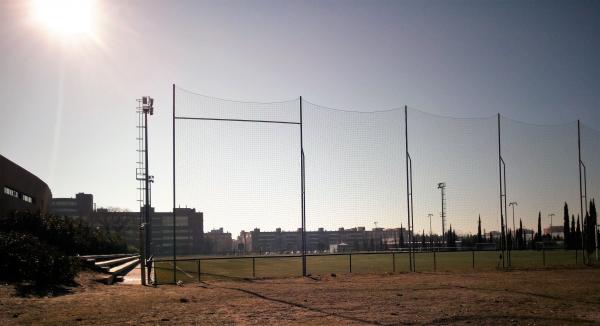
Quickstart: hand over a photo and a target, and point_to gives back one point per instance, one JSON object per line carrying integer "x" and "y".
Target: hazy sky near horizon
{"x": 68, "y": 108}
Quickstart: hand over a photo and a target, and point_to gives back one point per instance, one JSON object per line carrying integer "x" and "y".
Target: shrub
{"x": 73, "y": 237}
{"x": 40, "y": 248}
{"x": 23, "y": 257}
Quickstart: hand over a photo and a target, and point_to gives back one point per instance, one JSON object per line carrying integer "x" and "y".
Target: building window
{"x": 27, "y": 198}
{"x": 11, "y": 192}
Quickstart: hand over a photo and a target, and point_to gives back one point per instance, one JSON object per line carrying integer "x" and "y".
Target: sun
{"x": 65, "y": 17}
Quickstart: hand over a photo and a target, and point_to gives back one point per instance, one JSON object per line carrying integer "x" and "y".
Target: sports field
{"x": 188, "y": 270}
{"x": 557, "y": 296}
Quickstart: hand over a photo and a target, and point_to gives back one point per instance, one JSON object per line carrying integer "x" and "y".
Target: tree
{"x": 521, "y": 241}
{"x": 573, "y": 234}
{"x": 538, "y": 236}
{"x": 401, "y": 236}
{"x": 566, "y": 230}
{"x": 578, "y": 234}
{"x": 451, "y": 237}
{"x": 479, "y": 238}
{"x": 590, "y": 228}
{"x": 423, "y": 240}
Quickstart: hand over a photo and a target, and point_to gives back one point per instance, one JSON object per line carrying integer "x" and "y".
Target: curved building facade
{"x": 21, "y": 190}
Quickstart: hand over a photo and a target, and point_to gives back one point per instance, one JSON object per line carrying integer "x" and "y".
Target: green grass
{"x": 274, "y": 267}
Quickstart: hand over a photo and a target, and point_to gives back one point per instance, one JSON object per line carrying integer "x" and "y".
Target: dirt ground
{"x": 542, "y": 297}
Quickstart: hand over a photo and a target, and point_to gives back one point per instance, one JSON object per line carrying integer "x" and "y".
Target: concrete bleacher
{"x": 115, "y": 266}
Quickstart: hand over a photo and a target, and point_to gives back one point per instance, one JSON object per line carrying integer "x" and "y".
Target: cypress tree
{"x": 573, "y": 234}
{"x": 401, "y": 236}
{"x": 590, "y": 228}
{"x": 538, "y": 236}
{"x": 578, "y": 234}
{"x": 521, "y": 235}
{"x": 566, "y": 230}
{"x": 479, "y": 238}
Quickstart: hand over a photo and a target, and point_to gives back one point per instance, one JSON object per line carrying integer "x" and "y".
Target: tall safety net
{"x": 479, "y": 193}
{"x": 455, "y": 181}
{"x": 541, "y": 176}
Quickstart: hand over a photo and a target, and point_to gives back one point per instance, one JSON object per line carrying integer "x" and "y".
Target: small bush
{"x": 73, "y": 237}
{"x": 23, "y": 257}
{"x": 41, "y": 248}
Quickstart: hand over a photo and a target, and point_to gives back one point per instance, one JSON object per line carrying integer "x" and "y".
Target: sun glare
{"x": 65, "y": 17}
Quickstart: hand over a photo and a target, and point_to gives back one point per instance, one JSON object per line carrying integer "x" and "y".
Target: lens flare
{"x": 65, "y": 17}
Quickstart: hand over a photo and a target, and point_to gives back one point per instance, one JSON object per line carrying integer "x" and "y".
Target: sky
{"x": 68, "y": 105}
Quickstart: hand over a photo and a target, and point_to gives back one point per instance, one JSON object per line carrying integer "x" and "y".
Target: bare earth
{"x": 565, "y": 296}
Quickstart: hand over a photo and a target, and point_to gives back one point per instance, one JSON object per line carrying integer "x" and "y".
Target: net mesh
{"x": 354, "y": 168}
{"x": 462, "y": 154}
{"x": 242, "y": 175}
{"x": 240, "y": 164}
{"x": 541, "y": 172}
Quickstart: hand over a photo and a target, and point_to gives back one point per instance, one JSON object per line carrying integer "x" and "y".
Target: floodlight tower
{"x": 551, "y": 215}
{"x": 430, "y": 231}
{"x": 145, "y": 107}
{"x": 442, "y": 187}
{"x": 513, "y": 204}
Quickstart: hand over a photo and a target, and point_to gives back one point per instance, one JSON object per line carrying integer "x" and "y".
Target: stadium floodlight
{"x": 148, "y": 105}
{"x": 513, "y": 204}
{"x": 551, "y": 215}
{"x": 442, "y": 187}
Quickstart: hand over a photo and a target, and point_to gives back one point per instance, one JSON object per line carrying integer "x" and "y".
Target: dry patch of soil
{"x": 543, "y": 297}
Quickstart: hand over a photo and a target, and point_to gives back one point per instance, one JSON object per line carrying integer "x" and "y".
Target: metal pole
{"x": 412, "y": 220}
{"x": 147, "y": 230}
{"x": 302, "y": 194}
{"x": 199, "y": 271}
{"x": 501, "y": 190}
{"x": 393, "y": 262}
{"x": 580, "y": 184}
{"x": 350, "y": 262}
{"x": 407, "y": 187}
{"x": 430, "y": 230}
{"x": 505, "y": 225}
{"x": 253, "y": 267}
{"x": 174, "y": 203}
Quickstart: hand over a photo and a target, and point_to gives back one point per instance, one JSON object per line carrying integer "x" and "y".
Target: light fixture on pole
{"x": 551, "y": 216}
{"x": 513, "y": 204}
{"x": 430, "y": 230}
{"x": 145, "y": 108}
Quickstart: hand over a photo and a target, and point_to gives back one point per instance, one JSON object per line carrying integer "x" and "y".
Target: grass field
{"x": 278, "y": 267}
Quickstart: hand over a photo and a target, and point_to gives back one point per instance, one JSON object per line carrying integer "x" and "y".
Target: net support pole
{"x": 500, "y": 163}
{"x": 408, "y": 192}
{"x": 174, "y": 240}
{"x": 582, "y": 185}
{"x": 302, "y": 194}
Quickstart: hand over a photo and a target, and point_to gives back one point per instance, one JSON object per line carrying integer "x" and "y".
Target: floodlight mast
{"x": 513, "y": 204}
{"x": 551, "y": 215}
{"x": 442, "y": 187}
{"x": 143, "y": 175}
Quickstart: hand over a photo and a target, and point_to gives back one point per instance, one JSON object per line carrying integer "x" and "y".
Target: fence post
{"x": 253, "y": 267}
{"x": 473, "y": 258}
{"x": 350, "y": 256}
{"x": 199, "y": 272}
{"x": 393, "y": 262}
{"x": 544, "y": 255}
{"x": 434, "y": 262}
